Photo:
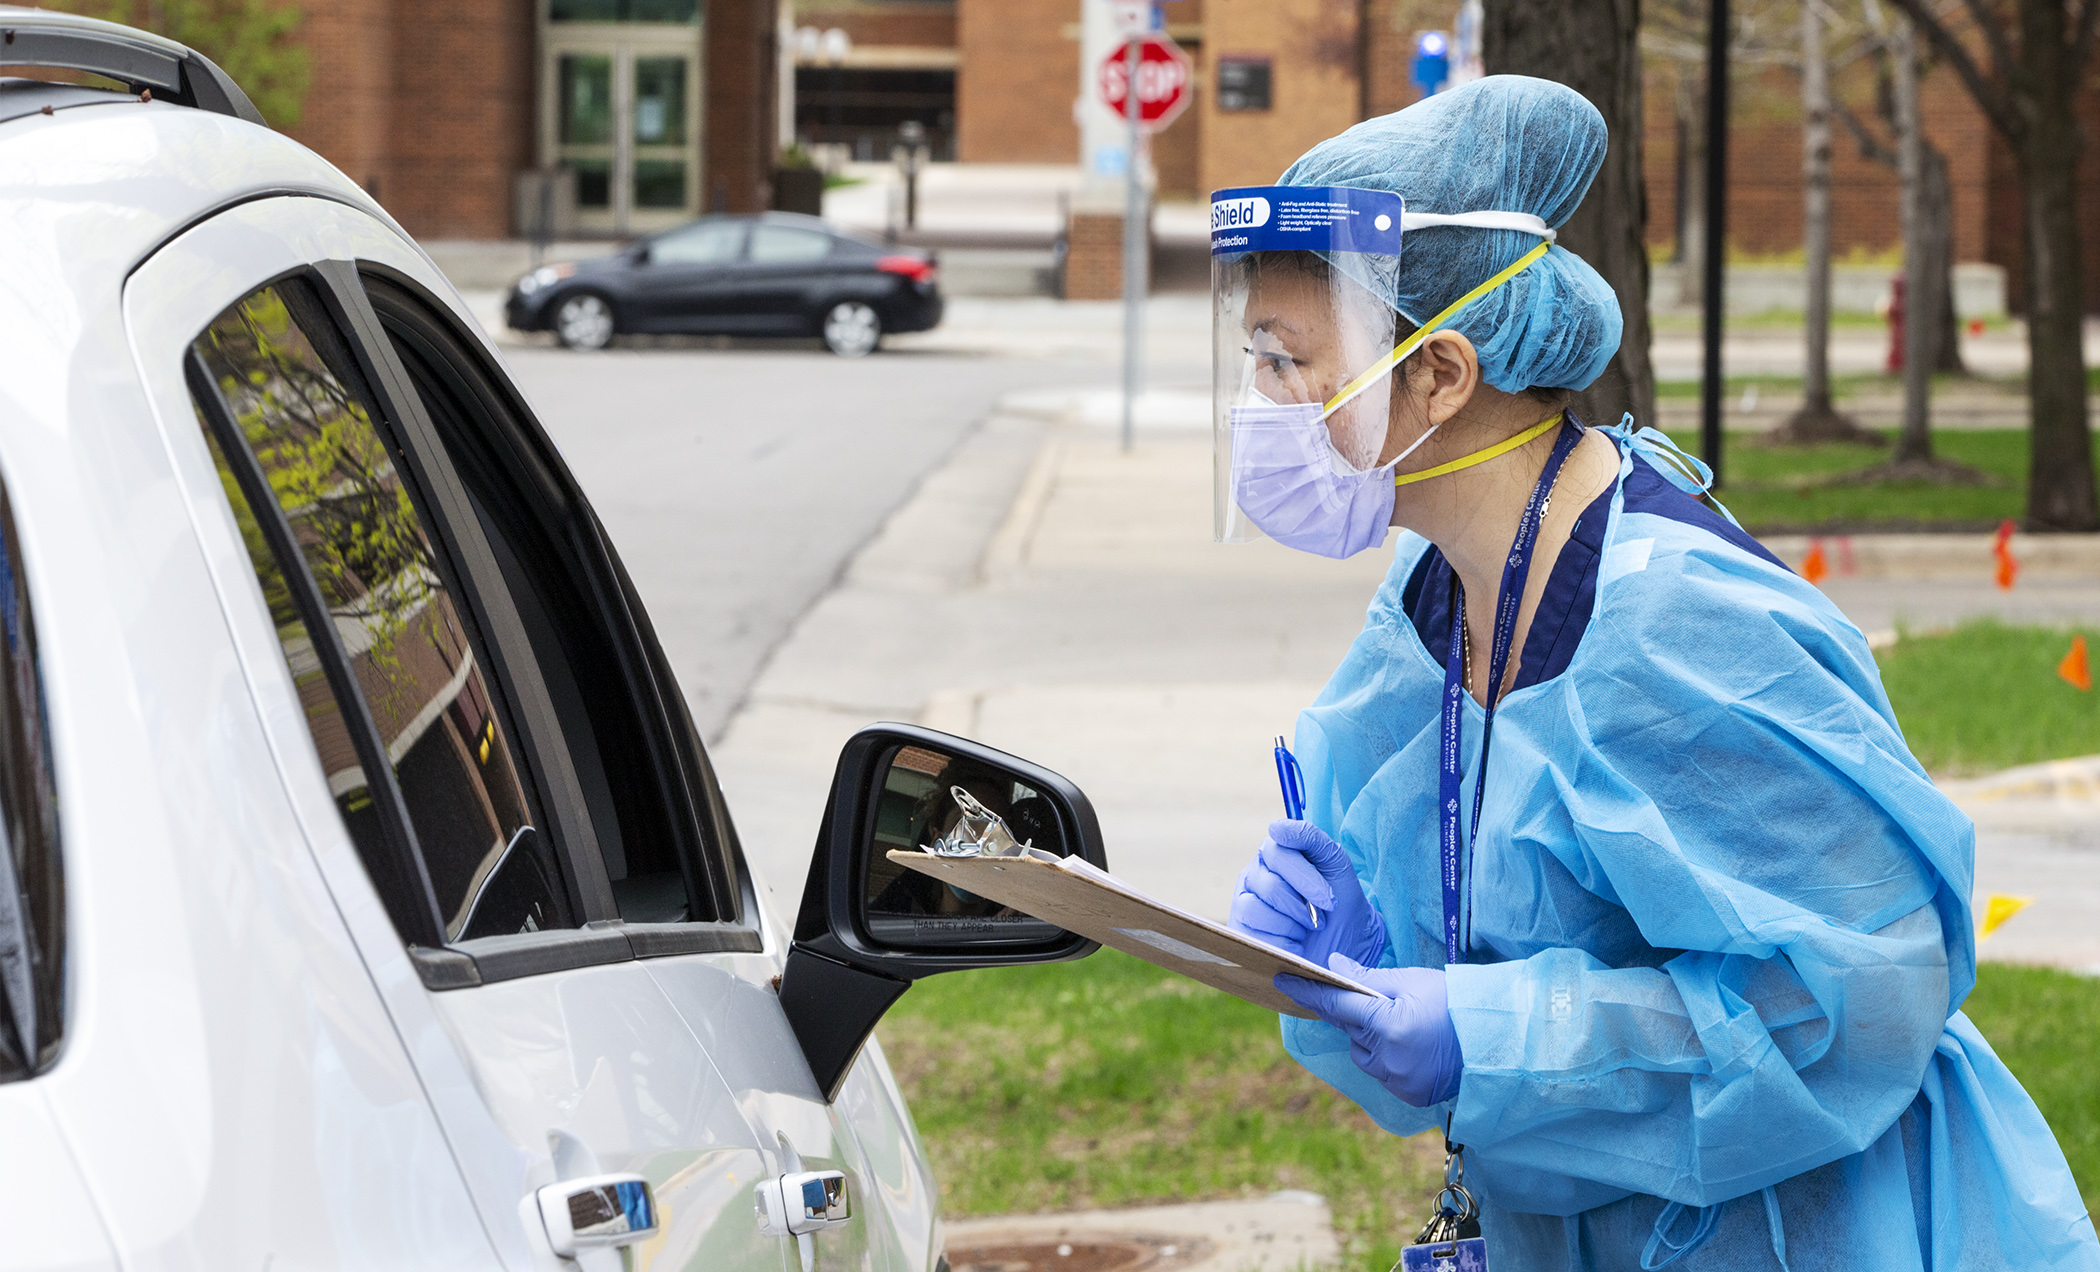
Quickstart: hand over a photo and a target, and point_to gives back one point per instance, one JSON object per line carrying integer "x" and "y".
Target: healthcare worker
{"x": 1666, "y": 926}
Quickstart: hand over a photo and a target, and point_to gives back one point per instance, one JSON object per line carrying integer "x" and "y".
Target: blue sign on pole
{"x": 1432, "y": 62}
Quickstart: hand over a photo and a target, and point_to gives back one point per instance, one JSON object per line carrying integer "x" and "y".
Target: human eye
{"x": 1273, "y": 361}
{"x": 1270, "y": 355}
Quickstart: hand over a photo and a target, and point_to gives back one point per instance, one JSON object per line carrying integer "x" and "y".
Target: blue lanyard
{"x": 1507, "y": 602}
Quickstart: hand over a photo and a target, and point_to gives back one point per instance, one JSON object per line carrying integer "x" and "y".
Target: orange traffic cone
{"x": 1815, "y": 567}
{"x": 2075, "y": 670}
{"x": 2008, "y": 565}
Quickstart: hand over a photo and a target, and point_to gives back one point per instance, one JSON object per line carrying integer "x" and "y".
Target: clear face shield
{"x": 1302, "y": 386}
{"x": 1301, "y": 319}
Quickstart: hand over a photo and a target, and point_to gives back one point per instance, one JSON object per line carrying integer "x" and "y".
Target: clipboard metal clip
{"x": 980, "y": 833}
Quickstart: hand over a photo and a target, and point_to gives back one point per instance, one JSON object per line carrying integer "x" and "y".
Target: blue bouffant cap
{"x": 1506, "y": 143}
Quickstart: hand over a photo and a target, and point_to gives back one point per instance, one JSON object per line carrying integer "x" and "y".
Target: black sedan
{"x": 773, "y": 274}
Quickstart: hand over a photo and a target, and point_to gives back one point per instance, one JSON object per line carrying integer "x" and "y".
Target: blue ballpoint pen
{"x": 1292, "y": 779}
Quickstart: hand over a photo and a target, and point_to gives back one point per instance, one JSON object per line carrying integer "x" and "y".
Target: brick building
{"x": 658, "y": 109}
{"x": 1014, "y": 70}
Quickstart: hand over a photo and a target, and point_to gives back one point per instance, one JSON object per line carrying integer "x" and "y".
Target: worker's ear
{"x": 1447, "y": 374}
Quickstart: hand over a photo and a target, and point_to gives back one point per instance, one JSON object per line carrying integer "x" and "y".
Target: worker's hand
{"x": 1298, "y": 868}
{"x": 1405, "y": 1039}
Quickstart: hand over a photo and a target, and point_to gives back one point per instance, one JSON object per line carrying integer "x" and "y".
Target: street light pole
{"x": 1715, "y": 264}
{"x": 1133, "y": 246}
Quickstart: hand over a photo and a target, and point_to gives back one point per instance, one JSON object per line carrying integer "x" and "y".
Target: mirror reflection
{"x": 935, "y": 802}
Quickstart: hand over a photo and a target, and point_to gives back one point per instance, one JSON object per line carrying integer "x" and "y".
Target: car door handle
{"x": 803, "y": 1202}
{"x": 597, "y": 1212}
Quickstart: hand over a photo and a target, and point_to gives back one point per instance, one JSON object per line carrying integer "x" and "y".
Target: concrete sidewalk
{"x": 1052, "y": 596}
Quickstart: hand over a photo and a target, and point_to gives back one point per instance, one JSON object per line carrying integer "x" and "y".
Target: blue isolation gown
{"x": 1718, "y": 921}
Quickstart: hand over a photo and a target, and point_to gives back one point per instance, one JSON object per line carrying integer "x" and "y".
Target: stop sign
{"x": 1164, "y": 75}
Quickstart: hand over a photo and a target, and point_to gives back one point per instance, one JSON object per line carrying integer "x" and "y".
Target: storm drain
{"x": 1080, "y": 1253}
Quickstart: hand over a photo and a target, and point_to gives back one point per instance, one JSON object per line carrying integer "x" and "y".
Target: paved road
{"x": 736, "y": 483}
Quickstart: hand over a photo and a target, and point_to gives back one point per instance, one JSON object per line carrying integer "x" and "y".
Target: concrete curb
{"x": 1943, "y": 556}
{"x": 2076, "y": 779}
{"x": 1285, "y": 1232}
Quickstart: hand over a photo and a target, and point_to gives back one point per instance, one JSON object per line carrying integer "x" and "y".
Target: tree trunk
{"x": 2060, "y": 468}
{"x": 1921, "y": 282}
{"x": 1939, "y": 212}
{"x": 1815, "y": 210}
{"x": 1690, "y": 109}
{"x": 1592, "y": 46}
{"x": 1817, "y": 420}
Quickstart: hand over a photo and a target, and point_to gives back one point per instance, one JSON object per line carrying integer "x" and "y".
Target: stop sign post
{"x": 1161, "y": 73}
{"x": 1164, "y": 74}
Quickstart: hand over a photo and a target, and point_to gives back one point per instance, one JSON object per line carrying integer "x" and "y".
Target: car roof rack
{"x": 138, "y": 59}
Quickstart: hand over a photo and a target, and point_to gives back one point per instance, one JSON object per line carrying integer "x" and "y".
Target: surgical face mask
{"x": 1291, "y": 482}
{"x": 1299, "y": 280}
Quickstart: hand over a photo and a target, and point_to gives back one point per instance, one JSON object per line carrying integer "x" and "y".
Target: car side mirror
{"x": 868, "y": 927}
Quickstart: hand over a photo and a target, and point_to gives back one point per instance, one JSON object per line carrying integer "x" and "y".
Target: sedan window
{"x": 32, "y": 888}
{"x": 702, "y": 243}
{"x": 788, "y": 244}
{"x": 286, "y": 397}
{"x": 665, "y": 851}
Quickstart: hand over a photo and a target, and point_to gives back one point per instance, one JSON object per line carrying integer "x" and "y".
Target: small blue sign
{"x": 1304, "y": 219}
{"x": 1432, "y": 62}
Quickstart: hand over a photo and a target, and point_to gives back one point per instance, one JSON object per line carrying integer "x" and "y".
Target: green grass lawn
{"x": 1986, "y": 696}
{"x": 1109, "y": 1082}
{"x": 1773, "y": 488}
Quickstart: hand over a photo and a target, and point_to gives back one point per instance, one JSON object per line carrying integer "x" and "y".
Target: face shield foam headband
{"x": 1286, "y": 326}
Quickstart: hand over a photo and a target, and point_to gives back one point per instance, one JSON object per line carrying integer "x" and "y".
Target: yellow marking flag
{"x": 2000, "y": 908}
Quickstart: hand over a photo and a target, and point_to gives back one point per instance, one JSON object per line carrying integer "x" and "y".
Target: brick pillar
{"x": 739, "y": 138}
{"x": 1094, "y": 256}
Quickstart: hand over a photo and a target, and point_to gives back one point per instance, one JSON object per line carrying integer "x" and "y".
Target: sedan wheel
{"x": 852, "y": 329}
{"x": 584, "y": 321}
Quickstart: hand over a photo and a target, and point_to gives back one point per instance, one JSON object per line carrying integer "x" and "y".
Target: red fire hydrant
{"x": 1895, "y": 364}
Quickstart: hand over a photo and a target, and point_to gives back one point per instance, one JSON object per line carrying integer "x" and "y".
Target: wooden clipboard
{"x": 1080, "y": 897}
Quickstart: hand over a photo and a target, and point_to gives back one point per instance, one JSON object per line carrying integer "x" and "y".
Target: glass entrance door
{"x": 625, "y": 110}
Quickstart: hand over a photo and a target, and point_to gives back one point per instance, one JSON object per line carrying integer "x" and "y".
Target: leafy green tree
{"x": 255, "y": 41}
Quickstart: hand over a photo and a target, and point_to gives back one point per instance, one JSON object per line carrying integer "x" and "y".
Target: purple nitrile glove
{"x": 1405, "y": 1040}
{"x": 1299, "y": 866}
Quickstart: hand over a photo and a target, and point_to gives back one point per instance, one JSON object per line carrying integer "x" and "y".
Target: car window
{"x": 663, "y": 851}
{"x": 786, "y": 244}
{"x": 32, "y": 885}
{"x": 702, "y": 243}
{"x": 292, "y": 427}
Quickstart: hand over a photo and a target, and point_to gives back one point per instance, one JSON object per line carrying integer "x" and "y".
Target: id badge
{"x": 1469, "y": 1254}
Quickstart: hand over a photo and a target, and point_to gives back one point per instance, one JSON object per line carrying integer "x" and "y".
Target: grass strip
{"x": 1109, "y": 1082}
{"x": 1774, "y": 488}
{"x": 1986, "y": 696}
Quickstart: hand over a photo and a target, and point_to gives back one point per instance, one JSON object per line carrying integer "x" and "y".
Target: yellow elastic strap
{"x": 1483, "y": 456}
{"x": 1386, "y": 363}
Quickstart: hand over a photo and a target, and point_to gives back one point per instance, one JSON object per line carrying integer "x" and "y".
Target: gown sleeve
{"x": 1730, "y": 774}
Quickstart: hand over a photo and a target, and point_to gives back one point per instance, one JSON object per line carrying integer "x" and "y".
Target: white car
{"x": 366, "y": 898}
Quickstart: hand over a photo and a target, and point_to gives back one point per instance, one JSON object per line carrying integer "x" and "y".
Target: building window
{"x": 1243, "y": 83}
{"x": 680, "y": 11}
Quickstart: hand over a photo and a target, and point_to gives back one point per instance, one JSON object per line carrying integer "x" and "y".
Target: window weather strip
{"x": 403, "y": 883}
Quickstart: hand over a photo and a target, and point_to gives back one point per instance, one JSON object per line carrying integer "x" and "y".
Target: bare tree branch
{"x": 1870, "y": 146}
{"x": 1995, "y": 103}
{"x": 2002, "y": 60}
